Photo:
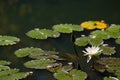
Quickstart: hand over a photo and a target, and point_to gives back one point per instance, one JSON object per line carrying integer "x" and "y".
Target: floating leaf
{"x": 90, "y": 25}
{"x": 112, "y": 65}
{"x": 108, "y": 50}
{"x": 42, "y": 33}
{"x": 44, "y": 54}
{"x": 39, "y": 64}
{"x": 100, "y": 34}
{"x": 4, "y": 68}
{"x": 26, "y": 51}
{"x": 117, "y": 40}
{"x": 82, "y": 41}
{"x": 114, "y": 31}
{"x": 8, "y": 40}
{"x": 95, "y": 41}
{"x": 110, "y": 78}
{"x": 71, "y": 75}
{"x": 3, "y": 62}
{"x": 9, "y": 72}
{"x": 67, "y": 28}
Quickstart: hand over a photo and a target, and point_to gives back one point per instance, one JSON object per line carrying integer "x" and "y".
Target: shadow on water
{"x": 19, "y": 16}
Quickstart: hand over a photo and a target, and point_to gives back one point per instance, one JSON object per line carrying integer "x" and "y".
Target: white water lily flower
{"x": 91, "y": 51}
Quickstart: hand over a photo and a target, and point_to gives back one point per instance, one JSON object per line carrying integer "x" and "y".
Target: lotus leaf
{"x": 82, "y": 41}
{"x": 23, "y": 52}
{"x": 39, "y": 64}
{"x": 108, "y": 50}
{"x": 42, "y": 33}
{"x": 71, "y": 75}
{"x": 8, "y": 40}
{"x": 67, "y": 28}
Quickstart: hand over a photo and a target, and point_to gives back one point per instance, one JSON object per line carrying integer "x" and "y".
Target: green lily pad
{"x": 26, "y": 51}
{"x": 71, "y": 75}
{"x": 100, "y": 34}
{"x": 39, "y": 64}
{"x": 67, "y": 28}
{"x": 82, "y": 41}
{"x": 42, "y": 33}
{"x": 117, "y": 40}
{"x": 114, "y": 31}
{"x": 44, "y": 54}
{"x": 95, "y": 41}
{"x": 8, "y": 40}
{"x": 110, "y": 78}
{"x": 3, "y": 62}
{"x": 2, "y": 67}
{"x": 108, "y": 50}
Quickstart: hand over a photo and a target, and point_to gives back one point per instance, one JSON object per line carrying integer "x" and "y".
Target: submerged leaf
{"x": 26, "y": 51}
{"x": 39, "y": 64}
{"x": 82, "y": 41}
{"x": 108, "y": 50}
{"x": 42, "y": 33}
{"x": 8, "y": 40}
{"x": 67, "y": 28}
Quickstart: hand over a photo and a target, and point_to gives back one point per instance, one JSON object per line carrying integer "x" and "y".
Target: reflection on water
{"x": 19, "y": 16}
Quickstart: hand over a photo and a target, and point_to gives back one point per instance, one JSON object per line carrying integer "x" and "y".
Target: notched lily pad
{"x": 8, "y": 40}
{"x": 82, "y": 41}
{"x": 45, "y": 54}
{"x": 12, "y": 74}
{"x": 114, "y": 31}
{"x": 100, "y": 34}
{"x": 67, "y": 28}
{"x": 23, "y": 52}
{"x": 117, "y": 40}
{"x": 71, "y": 75}
{"x": 95, "y": 41}
{"x": 39, "y": 64}
{"x": 108, "y": 50}
{"x": 3, "y": 62}
{"x": 42, "y": 33}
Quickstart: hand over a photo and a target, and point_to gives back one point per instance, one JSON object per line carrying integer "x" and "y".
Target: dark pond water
{"x": 19, "y": 16}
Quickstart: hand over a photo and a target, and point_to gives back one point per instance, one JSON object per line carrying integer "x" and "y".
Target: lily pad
{"x": 23, "y": 52}
{"x": 82, "y": 41}
{"x": 117, "y": 40}
{"x": 108, "y": 50}
{"x": 42, "y": 33}
{"x": 110, "y": 78}
{"x": 44, "y": 54}
{"x": 71, "y": 75}
{"x": 2, "y": 67}
{"x": 100, "y": 34}
{"x": 39, "y": 64}
{"x": 3, "y": 62}
{"x": 95, "y": 41}
{"x": 67, "y": 28}
{"x": 114, "y": 31}
{"x": 8, "y": 40}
